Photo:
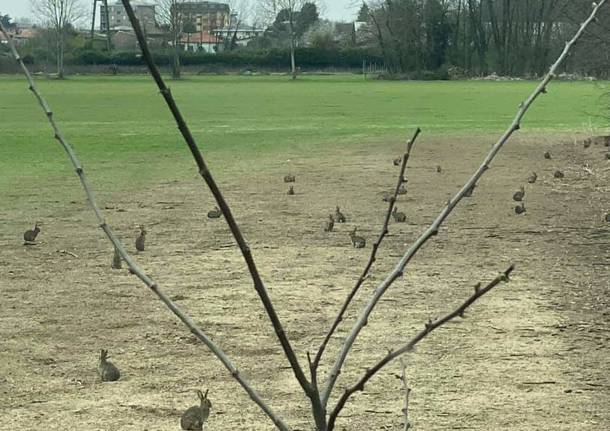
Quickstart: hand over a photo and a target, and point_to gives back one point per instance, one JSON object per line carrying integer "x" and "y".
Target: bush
{"x": 271, "y": 58}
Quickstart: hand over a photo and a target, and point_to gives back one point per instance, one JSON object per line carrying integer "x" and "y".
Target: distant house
{"x": 20, "y": 35}
{"x": 243, "y": 33}
{"x": 205, "y": 15}
{"x": 117, "y": 18}
{"x": 345, "y": 33}
{"x": 202, "y": 41}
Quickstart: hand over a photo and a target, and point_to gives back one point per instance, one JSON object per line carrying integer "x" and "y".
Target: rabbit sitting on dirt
{"x": 215, "y": 213}
{"x": 107, "y": 370}
{"x": 329, "y": 224}
{"x": 291, "y": 191}
{"x": 399, "y": 217}
{"x": 29, "y": 236}
{"x": 289, "y": 178}
{"x": 518, "y": 196}
{"x": 532, "y": 178}
{"x": 141, "y": 239}
{"x": 194, "y": 417}
{"x": 339, "y": 217}
{"x": 357, "y": 241}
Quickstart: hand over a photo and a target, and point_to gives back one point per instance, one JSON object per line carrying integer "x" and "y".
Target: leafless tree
{"x": 271, "y": 8}
{"x": 58, "y": 15}
{"x": 324, "y": 415}
{"x": 170, "y": 17}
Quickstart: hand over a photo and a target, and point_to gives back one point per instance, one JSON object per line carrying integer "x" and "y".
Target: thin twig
{"x": 220, "y": 200}
{"x": 384, "y": 231}
{"x": 407, "y": 392}
{"x": 428, "y": 328}
{"x": 134, "y": 268}
{"x": 435, "y": 226}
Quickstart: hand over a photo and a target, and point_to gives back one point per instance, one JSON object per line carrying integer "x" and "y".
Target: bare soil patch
{"x": 532, "y": 355}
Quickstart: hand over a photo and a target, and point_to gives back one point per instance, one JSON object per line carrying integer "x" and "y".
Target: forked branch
{"x": 133, "y": 266}
{"x": 435, "y": 226}
{"x": 384, "y": 231}
{"x": 428, "y": 328}
{"x": 220, "y": 200}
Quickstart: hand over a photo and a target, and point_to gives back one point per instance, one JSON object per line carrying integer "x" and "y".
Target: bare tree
{"x": 173, "y": 20}
{"x": 287, "y": 12}
{"x": 58, "y": 15}
{"x": 324, "y": 415}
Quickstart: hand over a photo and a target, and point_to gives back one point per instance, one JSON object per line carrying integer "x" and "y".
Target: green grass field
{"x": 118, "y": 122}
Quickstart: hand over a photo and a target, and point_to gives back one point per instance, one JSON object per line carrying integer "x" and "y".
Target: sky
{"x": 336, "y": 10}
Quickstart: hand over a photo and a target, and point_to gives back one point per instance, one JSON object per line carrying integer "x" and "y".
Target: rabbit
{"x": 402, "y": 190}
{"x": 547, "y": 155}
{"x": 558, "y": 174}
{"x": 339, "y": 217}
{"x": 399, "y": 217}
{"x": 532, "y": 178}
{"x": 587, "y": 143}
{"x": 107, "y": 370}
{"x": 329, "y": 224}
{"x": 357, "y": 241}
{"x": 289, "y": 178}
{"x": 291, "y": 191}
{"x": 520, "y": 209}
{"x": 215, "y": 213}
{"x": 29, "y": 236}
{"x": 116, "y": 260}
{"x": 140, "y": 240}
{"x": 439, "y": 169}
{"x": 518, "y": 196}
{"x": 397, "y": 161}
{"x": 194, "y": 417}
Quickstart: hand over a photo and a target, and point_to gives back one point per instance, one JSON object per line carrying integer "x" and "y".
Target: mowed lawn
{"x": 123, "y": 131}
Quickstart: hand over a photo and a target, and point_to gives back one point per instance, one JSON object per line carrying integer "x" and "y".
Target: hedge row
{"x": 306, "y": 57}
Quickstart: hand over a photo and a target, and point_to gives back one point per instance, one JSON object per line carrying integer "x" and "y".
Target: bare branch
{"x": 407, "y": 392}
{"x": 434, "y": 228}
{"x": 384, "y": 231}
{"x": 428, "y": 328}
{"x": 134, "y": 268}
{"x": 222, "y": 203}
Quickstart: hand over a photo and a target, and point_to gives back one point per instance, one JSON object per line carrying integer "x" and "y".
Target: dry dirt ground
{"x": 532, "y": 355}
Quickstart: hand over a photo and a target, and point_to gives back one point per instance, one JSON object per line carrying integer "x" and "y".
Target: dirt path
{"x": 532, "y": 355}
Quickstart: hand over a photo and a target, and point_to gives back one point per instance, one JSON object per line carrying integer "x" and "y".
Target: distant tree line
{"x": 508, "y": 37}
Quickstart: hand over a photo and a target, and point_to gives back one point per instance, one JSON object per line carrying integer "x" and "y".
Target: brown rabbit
{"x": 289, "y": 178}
{"x": 357, "y": 241}
{"x": 518, "y": 196}
{"x": 291, "y": 191}
{"x": 397, "y": 161}
{"x": 339, "y": 217}
{"x": 520, "y": 209}
{"x": 439, "y": 169}
{"x": 116, "y": 260}
{"x": 29, "y": 236}
{"x": 547, "y": 155}
{"x": 399, "y": 217}
{"x": 558, "y": 174}
{"x": 107, "y": 370}
{"x": 329, "y": 224}
{"x": 532, "y": 178}
{"x": 215, "y": 213}
{"x": 141, "y": 239}
{"x": 194, "y": 417}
